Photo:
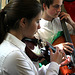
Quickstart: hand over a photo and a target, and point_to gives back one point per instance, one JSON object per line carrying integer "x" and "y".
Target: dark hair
{"x": 47, "y": 2}
{"x": 14, "y": 11}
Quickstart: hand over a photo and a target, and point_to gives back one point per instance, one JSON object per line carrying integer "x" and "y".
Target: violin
{"x": 37, "y": 49}
{"x": 44, "y": 53}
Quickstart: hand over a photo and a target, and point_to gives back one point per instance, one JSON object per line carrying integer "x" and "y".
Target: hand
{"x": 67, "y": 61}
{"x": 67, "y": 18}
{"x": 57, "y": 56}
{"x": 65, "y": 46}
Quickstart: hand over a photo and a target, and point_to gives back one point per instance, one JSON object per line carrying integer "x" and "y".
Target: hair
{"x": 47, "y": 2}
{"x": 14, "y": 11}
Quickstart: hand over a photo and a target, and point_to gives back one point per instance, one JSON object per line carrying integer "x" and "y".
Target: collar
{"x": 50, "y": 21}
{"x": 15, "y": 41}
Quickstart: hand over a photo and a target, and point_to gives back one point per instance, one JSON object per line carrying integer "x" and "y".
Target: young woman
{"x": 19, "y": 19}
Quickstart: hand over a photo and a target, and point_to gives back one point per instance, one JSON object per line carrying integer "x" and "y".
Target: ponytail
{"x": 3, "y": 30}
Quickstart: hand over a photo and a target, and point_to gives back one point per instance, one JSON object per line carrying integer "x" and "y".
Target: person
{"x": 19, "y": 19}
{"x": 50, "y": 22}
{"x": 50, "y": 25}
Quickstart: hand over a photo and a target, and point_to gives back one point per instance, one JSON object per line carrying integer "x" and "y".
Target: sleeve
{"x": 45, "y": 34}
{"x": 24, "y": 66}
{"x": 50, "y": 69}
{"x": 70, "y": 29}
{"x": 18, "y": 64}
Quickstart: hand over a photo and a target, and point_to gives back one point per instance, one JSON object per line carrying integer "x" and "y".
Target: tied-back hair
{"x": 12, "y": 13}
{"x": 2, "y": 25}
{"x": 46, "y": 2}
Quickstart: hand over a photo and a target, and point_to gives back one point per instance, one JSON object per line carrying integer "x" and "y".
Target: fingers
{"x": 60, "y": 52}
{"x": 64, "y": 15}
{"x": 67, "y": 61}
{"x": 67, "y": 43}
{"x": 67, "y": 18}
{"x": 50, "y": 51}
{"x": 57, "y": 56}
{"x": 63, "y": 54}
{"x": 57, "y": 49}
{"x": 67, "y": 47}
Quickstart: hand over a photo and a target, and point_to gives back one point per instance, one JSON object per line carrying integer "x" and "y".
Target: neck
{"x": 16, "y": 34}
{"x": 47, "y": 17}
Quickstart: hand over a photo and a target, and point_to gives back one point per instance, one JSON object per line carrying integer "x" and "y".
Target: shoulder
{"x": 57, "y": 19}
{"x": 9, "y": 51}
{"x": 43, "y": 22}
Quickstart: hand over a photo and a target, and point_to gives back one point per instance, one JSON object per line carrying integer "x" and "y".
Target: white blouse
{"x": 14, "y": 61}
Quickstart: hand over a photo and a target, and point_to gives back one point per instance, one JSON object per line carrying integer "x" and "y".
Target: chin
{"x": 32, "y": 37}
{"x": 56, "y": 16}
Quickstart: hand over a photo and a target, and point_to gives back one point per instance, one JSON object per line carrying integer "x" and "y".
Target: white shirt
{"x": 49, "y": 29}
{"x": 14, "y": 61}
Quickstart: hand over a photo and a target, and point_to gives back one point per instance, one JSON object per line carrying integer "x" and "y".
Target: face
{"x": 33, "y": 26}
{"x": 54, "y": 10}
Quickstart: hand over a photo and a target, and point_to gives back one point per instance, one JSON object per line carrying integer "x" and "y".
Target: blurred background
{"x": 3, "y": 3}
{"x": 68, "y": 6}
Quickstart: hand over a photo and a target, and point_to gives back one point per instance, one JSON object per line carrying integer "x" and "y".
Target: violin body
{"x": 35, "y": 50}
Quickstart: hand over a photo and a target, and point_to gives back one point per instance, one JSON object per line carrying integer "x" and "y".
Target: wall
{"x": 3, "y": 3}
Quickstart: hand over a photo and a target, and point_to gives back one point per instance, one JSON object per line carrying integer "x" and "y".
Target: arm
{"x": 20, "y": 64}
{"x": 50, "y": 69}
{"x": 25, "y": 65}
{"x": 53, "y": 67}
